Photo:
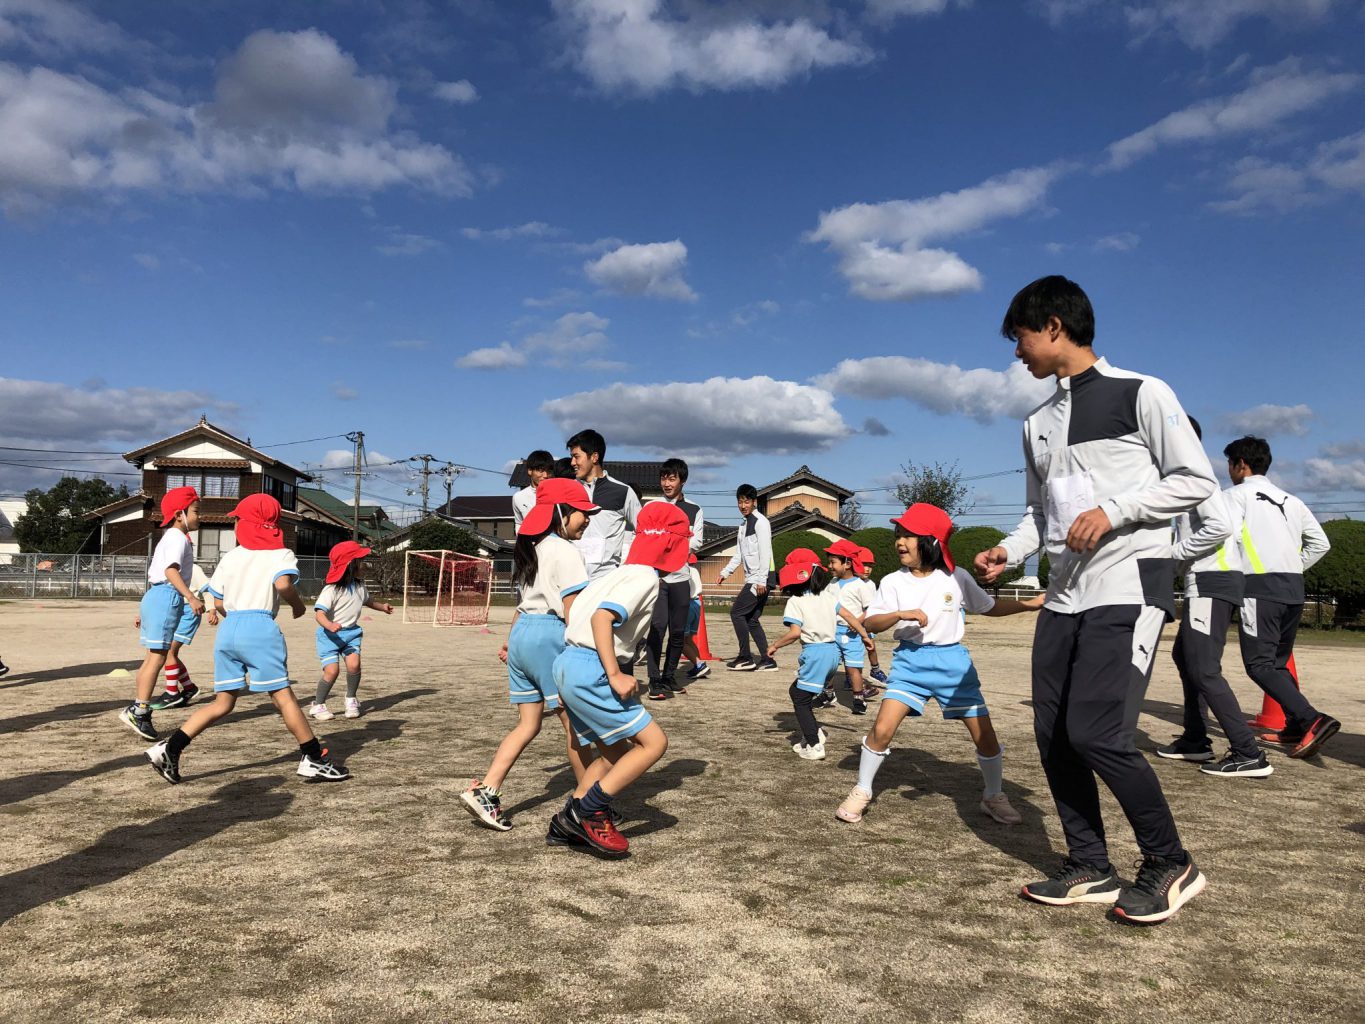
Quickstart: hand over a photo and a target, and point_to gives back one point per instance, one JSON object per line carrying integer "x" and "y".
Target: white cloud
{"x": 882, "y": 246}
{"x": 945, "y": 388}
{"x": 1323, "y": 476}
{"x": 558, "y": 297}
{"x": 740, "y": 318}
{"x": 1270, "y": 420}
{"x": 720, "y": 417}
{"x": 1336, "y": 167}
{"x": 503, "y": 356}
{"x": 1276, "y": 94}
{"x": 531, "y": 229}
{"x": 147, "y": 260}
{"x": 1203, "y": 23}
{"x": 461, "y": 92}
{"x": 654, "y": 269}
{"x": 410, "y": 344}
{"x": 1123, "y": 241}
{"x": 875, "y": 427}
{"x": 637, "y": 46}
{"x": 887, "y": 10}
{"x": 406, "y": 243}
{"x": 571, "y": 341}
{"x": 53, "y": 413}
{"x": 344, "y": 392}
{"x": 55, "y": 27}
{"x": 1354, "y": 449}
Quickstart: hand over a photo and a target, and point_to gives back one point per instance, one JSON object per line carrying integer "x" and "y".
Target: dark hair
{"x": 1045, "y": 298}
{"x": 674, "y": 467}
{"x": 931, "y": 553}
{"x": 843, "y": 558}
{"x": 525, "y": 564}
{"x": 348, "y": 577}
{"x": 1198, "y": 431}
{"x": 590, "y": 441}
{"x": 1254, "y": 451}
{"x": 746, "y": 491}
{"x": 563, "y": 470}
{"x": 540, "y": 461}
{"x": 819, "y": 580}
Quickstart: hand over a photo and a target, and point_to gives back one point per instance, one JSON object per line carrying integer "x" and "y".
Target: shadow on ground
{"x": 25, "y": 787}
{"x": 101, "y": 668}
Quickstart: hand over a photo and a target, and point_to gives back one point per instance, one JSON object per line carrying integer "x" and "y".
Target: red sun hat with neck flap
{"x": 929, "y": 521}
{"x": 846, "y": 549}
{"x": 662, "y": 537}
{"x": 258, "y": 523}
{"x": 549, "y": 493}
{"x": 176, "y": 500}
{"x": 341, "y": 556}
{"x": 797, "y": 568}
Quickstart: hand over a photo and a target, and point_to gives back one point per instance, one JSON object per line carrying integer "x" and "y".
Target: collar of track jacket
{"x": 258, "y": 523}
{"x": 177, "y": 499}
{"x": 552, "y": 492}
{"x": 341, "y": 556}
{"x": 847, "y": 549}
{"x": 929, "y": 521}
{"x": 662, "y": 533}
{"x": 797, "y": 568}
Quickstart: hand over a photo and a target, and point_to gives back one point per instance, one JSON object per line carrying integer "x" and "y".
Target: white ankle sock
{"x": 868, "y": 763}
{"x": 993, "y": 773}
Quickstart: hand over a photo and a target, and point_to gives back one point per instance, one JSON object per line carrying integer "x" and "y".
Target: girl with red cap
{"x": 247, "y": 588}
{"x": 855, "y": 594}
{"x": 339, "y": 634}
{"x": 867, "y": 558}
{"x": 549, "y": 572}
{"x": 165, "y": 601}
{"x": 924, "y": 604}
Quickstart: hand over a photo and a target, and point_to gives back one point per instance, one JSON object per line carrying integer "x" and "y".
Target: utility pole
{"x": 450, "y": 473}
{"x": 356, "y": 438}
{"x": 426, "y": 471}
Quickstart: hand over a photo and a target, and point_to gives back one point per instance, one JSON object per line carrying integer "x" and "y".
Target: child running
{"x": 180, "y": 689}
{"x": 549, "y": 572}
{"x": 924, "y": 604}
{"x": 339, "y": 634}
{"x": 855, "y": 594}
{"x": 247, "y": 588}
{"x": 608, "y": 621}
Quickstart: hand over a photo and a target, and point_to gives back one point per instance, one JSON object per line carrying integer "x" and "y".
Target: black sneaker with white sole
{"x": 320, "y": 769}
{"x": 766, "y": 665}
{"x": 1075, "y": 883}
{"x": 741, "y": 664}
{"x": 823, "y": 699}
{"x": 858, "y": 706}
{"x": 139, "y": 721}
{"x": 1237, "y": 766}
{"x": 1162, "y": 888}
{"x": 658, "y": 691}
{"x": 164, "y": 762}
{"x": 179, "y": 699}
{"x": 1186, "y": 750}
{"x": 698, "y": 671}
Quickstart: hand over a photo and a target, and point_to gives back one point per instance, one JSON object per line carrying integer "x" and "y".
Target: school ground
{"x": 247, "y": 895}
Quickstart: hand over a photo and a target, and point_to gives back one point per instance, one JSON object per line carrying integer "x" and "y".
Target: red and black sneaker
{"x": 595, "y": 829}
{"x": 1324, "y": 727}
{"x": 1286, "y": 737}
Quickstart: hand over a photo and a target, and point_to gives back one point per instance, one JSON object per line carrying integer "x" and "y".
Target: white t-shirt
{"x": 245, "y": 579}
{"x": 855, "y": 595}
{"x": 816, "y": 614}
{"x": 343, "y": 605}
{"x": 694, "y": 582}
{"x": 559, "y": 573}
{"x": 628, "y": 591}
{"x": 522, "y": 502}
{"x": 198, "y": 581}
{"x": 174, "y": 548}
{"x": 943, "y": 598}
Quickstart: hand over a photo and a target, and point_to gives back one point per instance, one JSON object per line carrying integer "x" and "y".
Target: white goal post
{"x": 446, "y": 588}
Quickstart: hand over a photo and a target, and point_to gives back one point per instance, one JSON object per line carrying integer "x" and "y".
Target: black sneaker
{"x": 164, "y": 762}
{"x": 658, "y": 691}
{"x": 560, "y": 835}
{"x": 675, "y": 686}
{"x": 1187, "y": 750}
{"x": 1162, "y": 888}
{"x": 879, "y": 675}
{"x": 698, "y": 671}
{"x": 741, "y": 664}
{"x": 767, "y": 665}
{"x": 1237, "y": 766}
{"x": 179, "y": 699}
{"x": 616, "y": 816}
{"x": 320, "y": 769}
{"x": 1075, "y": 883}
{"x": 1287, "y": 737}
{"x": 823, "y": 699}
{"x": 139, "y": 723}
{"x": 858, "y": 706}
{"x": 1323, "y": 728}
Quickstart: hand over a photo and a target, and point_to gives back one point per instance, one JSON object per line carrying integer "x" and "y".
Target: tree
{"x": 851, "y": 514}
{"x": 55, "y": 519}
{"x": 1044, "y": 570}
{"x": 785, "y": 543}
{"x": 938, "y": 484}
{"x": 881, "y": 541}
{"x": 967, "y": 543}
{"x": 1340, "y": 574}
{"x": 436, "y": 534}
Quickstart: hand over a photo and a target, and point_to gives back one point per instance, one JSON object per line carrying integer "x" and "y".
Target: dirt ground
{"x": 245, "y": 894}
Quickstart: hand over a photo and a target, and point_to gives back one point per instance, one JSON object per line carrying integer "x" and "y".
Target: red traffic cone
{"x": 1271, "y": 717}
{"x": 703, "y": 651}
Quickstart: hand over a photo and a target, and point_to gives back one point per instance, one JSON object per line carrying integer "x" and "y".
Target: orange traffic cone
{"x": 703, "y": 651}
{"x": 1272, "y": 715}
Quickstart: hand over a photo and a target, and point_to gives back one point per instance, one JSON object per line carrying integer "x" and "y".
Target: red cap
{"x": 258, "y": 523}
{"x": 550, "y": 493}
{"x": 797, "y": 568}
{"x": 662, "y": 533}
{"x": 866, "y": 556}
{"x": 691, "y": 559}
{"x": 929, "y": 521}
{"x": 848, "y": 550}
{"x": 177, "y": 499}
{"x": 342, "y": 555}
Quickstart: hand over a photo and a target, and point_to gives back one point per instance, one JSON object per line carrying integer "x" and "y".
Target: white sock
{"x": 993, "y": 772}
{"x": 868, "y": 763}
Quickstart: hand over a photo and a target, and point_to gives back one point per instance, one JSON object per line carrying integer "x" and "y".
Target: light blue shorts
{"x": 815, "y": 665}
{"x": 693, "y": 618}
{"x": 188, "y": 625}
{"x": 249, "y": 644}
{"x": 595, "y": 712}
{"x": 532, "y": 647}
{"x": 160, "y": 610}
{"x": 944, "y": 673}
{"x": 851, "y": 649}
{"x": 332, "y": 647}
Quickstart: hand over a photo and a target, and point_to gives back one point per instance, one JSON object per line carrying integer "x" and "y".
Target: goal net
{"x": 446, "y": 588}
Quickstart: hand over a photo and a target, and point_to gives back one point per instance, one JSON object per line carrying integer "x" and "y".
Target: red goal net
{"x": 446, "y": 588}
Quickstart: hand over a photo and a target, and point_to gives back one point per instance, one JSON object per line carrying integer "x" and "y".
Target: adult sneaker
{"x": 1186, "y": 750}
{"x": 854, "y": 806}
{"x": 319, "y": 713}
{"x": 486, "y": 805}
{"x": 595, "y": 829}
{"x": 1162, "y": 887}
{"x": 352, "y": 707}
{"x": 1234, "y": 765}
{"x": 698, "y": 671}
{"x": 164, "y": 762}
{"x": 1000, "y": 808}
{"x": 1075, "y": 882}
{"x": 140, "y": 723}
{"x": 1287, "y": 737}
{"x": 658, "y": 691}
{"x": 741, "y": 664}
{"x": 319, "y": 769}
{"x": 1324, "y": 727}
{"x": 767, "y": 665}
{"x": 676, "y": 687}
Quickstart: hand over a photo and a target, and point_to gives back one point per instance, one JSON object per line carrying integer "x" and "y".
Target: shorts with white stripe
{"x": 250, "y": 653}
{"x": 532, "y": 647}
{"x": 942, "y": 672}
{"x": 596, "y": 713}
{"x": 160, "y": 612}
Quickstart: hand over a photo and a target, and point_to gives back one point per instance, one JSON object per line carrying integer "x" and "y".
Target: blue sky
{"x": 753, "y": 233}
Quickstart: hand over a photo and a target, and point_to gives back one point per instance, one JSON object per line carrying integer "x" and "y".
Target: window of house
{"x": 280, "y": 491}
{"x": 175, "y": 480}
{"x": 220, "y": 485}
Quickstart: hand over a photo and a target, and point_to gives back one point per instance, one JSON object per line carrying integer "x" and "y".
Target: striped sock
{"x": 173, "y": 679}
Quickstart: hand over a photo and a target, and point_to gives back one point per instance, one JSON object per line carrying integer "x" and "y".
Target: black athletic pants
{"x": 746, "y": 614}
{"x": 805, "y": 714}
{"x": 1198, "y": 657}
{"x": 1090, "y": 673}
{"x": 1267, "y": 634}
{"x": 670, "y": 616}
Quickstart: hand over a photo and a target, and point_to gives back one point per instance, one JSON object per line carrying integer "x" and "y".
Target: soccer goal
{"x": 446, "y": 588}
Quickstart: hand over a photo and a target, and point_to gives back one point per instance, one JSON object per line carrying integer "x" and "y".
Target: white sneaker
{"x": 352, "y": 707}
{"x": 999, "y": 808}
{"x": 320, "y": 769}
{"x": 320, "y": 713}
{"x": 810, "y": 752}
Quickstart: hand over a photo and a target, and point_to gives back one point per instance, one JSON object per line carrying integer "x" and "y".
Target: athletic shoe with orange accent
{"x": 1162, "y": 887}
{"x": 1324, "y": 727}
{"x": 594, "y": 829}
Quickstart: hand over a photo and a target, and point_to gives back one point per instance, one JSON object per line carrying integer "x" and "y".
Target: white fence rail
{"x": 34, "y": 575}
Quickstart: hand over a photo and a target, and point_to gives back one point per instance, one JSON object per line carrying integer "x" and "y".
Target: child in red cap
{"x": 339, "y": 634}
{"x": 166, "y": 599}
{"x": 924, "y": 604}
{"x": 247, "y": 588}
{"x": 855, "y": 594}
{"x": 610, "y": 618}
{"x": 549, "y": 573}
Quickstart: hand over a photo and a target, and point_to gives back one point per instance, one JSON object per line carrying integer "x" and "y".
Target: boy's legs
{"x": 658, "y": 627}
{"x": 755, "y": 622}
{"x": 579, "y": 757}
{"x": 152, "y": 663}
{"x": 1198, "y": 657}
{"x": 1267, "y": 640}
{"x": 805, "y": 715}
{"x": 679, "y": 604}
{"x": 622, "y": 763}
{"x": 739, "y": 618}
{"x": 294, "y": 719}
{"x": 208, "y": 714}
